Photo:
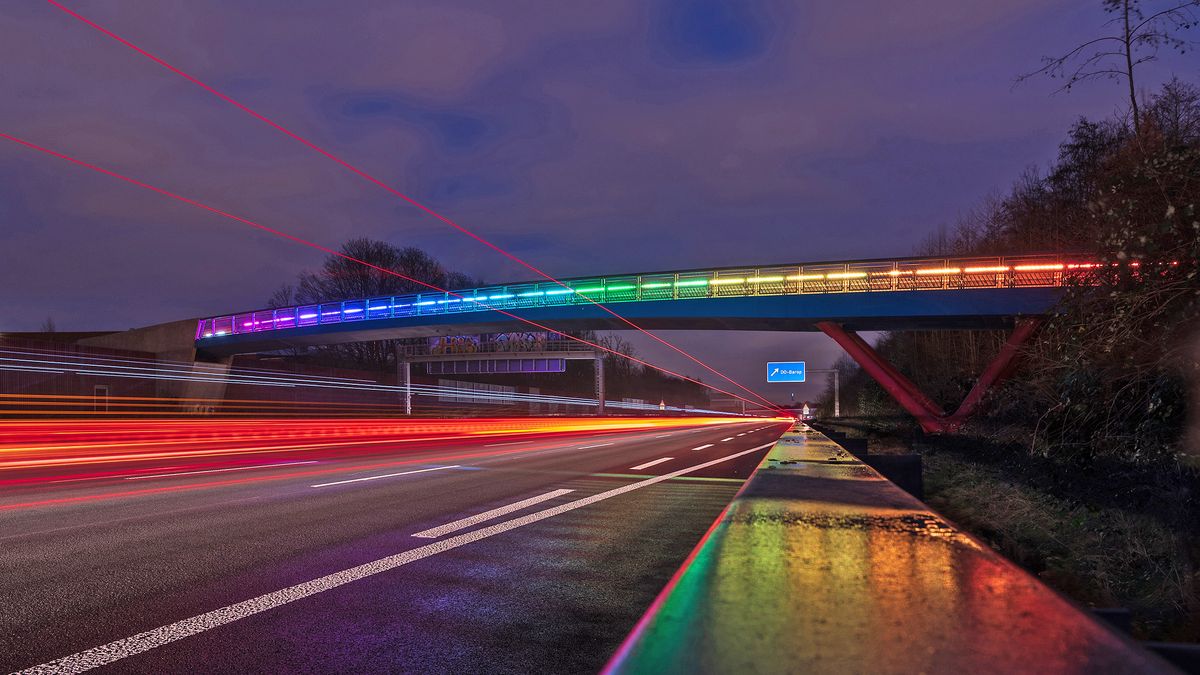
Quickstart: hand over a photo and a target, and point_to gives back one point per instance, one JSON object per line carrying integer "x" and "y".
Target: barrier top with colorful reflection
{"x": 820, "y": 565}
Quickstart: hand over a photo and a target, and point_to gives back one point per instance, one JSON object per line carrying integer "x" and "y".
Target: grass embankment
{"x": 1103, "y": 535}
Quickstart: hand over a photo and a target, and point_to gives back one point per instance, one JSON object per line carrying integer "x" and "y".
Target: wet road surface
{"x": 501, "y": 554}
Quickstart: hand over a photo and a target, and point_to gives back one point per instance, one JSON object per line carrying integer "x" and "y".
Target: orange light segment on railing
{"x": 1038, "y": 268}
{"x": 846, "y": 275}
{"x": 940, "y": 270}
{"x": 806, "y": 277}
{"x": 896, "y": 273}
{"x": 985, "y": 270}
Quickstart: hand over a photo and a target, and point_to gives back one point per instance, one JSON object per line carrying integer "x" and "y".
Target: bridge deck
{"x": 821, "y": 565}
{"x": 945, "y": 292}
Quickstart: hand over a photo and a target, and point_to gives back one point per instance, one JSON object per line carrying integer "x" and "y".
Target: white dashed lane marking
{"x": 163, "y": 635}
{"x": 434, "y": 532}
{"x": 385, "y": 475}
{"x": 649, "y": 464}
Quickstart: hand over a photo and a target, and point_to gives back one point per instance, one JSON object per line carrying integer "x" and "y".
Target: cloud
{"x": 707, "y": 33}
{"x": 591, "y": 137}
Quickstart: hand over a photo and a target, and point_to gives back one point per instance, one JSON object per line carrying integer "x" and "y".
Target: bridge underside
{"x": 903, "y": 310}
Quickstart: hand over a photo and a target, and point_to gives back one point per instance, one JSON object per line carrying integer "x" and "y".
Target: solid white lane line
{"x": 234, "y": 468}
{"x": 727, "y": 439}
{"x": 435, "y": 532}
{"x": 598, "y": 445}
{"x": 385, "y": 475}
{"x": 157, "y": 637}
{"x": 706, "y": 445}
{"x": 496, "y": 445}
{"x": 647, "y": 465}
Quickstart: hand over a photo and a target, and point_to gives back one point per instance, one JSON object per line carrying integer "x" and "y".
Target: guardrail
{"x": 906, "y": 274}
{"x": 820, "y": 565}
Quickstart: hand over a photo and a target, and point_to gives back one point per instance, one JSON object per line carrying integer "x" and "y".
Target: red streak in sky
{"x": 326, "y": 249}
{"x": 393, "y": 191}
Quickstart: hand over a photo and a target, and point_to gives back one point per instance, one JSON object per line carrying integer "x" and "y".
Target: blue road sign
{"x": 785, "y": 371}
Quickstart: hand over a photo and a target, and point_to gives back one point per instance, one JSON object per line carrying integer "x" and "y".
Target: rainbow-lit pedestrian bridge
{"x": 860, "y": 295}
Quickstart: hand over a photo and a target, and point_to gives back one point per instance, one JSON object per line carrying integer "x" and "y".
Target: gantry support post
{"x": 928, "y": 414}
{"x": 837, "y": 393}
{"x": 404, "y": 375}
{"x": 599, "y": 361}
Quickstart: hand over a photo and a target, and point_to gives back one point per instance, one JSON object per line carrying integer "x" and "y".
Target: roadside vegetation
{"x": 1083, "y": 467}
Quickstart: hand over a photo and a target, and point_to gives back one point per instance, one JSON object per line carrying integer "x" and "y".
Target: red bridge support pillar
{"x": 929, "y": 415}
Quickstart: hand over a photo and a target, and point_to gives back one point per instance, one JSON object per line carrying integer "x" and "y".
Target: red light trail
{"x": 35, "y": 453}
{"x": 391, "y": 190}
{"x": 330, "y": 251}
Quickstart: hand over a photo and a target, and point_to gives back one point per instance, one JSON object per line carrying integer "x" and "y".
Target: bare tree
{"x": 284, "y": 296}
{"x": 48, "y": 325}
{"x": 1139, "y": 35}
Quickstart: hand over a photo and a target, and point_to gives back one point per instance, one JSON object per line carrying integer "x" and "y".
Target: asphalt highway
{"x": 507, "y": 553}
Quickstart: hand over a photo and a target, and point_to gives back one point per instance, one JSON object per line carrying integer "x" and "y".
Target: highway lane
{"x": 540, "y": 581}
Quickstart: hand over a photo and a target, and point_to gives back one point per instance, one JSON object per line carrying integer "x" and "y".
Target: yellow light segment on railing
{"x": 805, "y": 277}
{"x": 846, "y": 275}
{"x": 731, "y": 280}
{"x": 983, "y": 270}
{"x": 764, "y": 280}
{"x": 1037, "y": 268}
{"x": 896, "y": 273}
{"x": 942, "y": 270}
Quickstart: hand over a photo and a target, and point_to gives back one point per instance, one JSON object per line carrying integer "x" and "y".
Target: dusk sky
{"x": 588, "y": 138}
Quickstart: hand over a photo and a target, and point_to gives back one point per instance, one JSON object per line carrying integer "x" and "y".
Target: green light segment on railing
{"x": 592, "y": 289}
{"x": 656, "y": 285}
{"x": 622, "y": 287}
{"x": 692, "y": 282}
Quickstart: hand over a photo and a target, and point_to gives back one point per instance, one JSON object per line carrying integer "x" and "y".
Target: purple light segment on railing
{"x": 308, "y": 316}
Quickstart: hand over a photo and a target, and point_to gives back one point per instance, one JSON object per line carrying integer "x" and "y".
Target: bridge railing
{"x": 910, "y": 274}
